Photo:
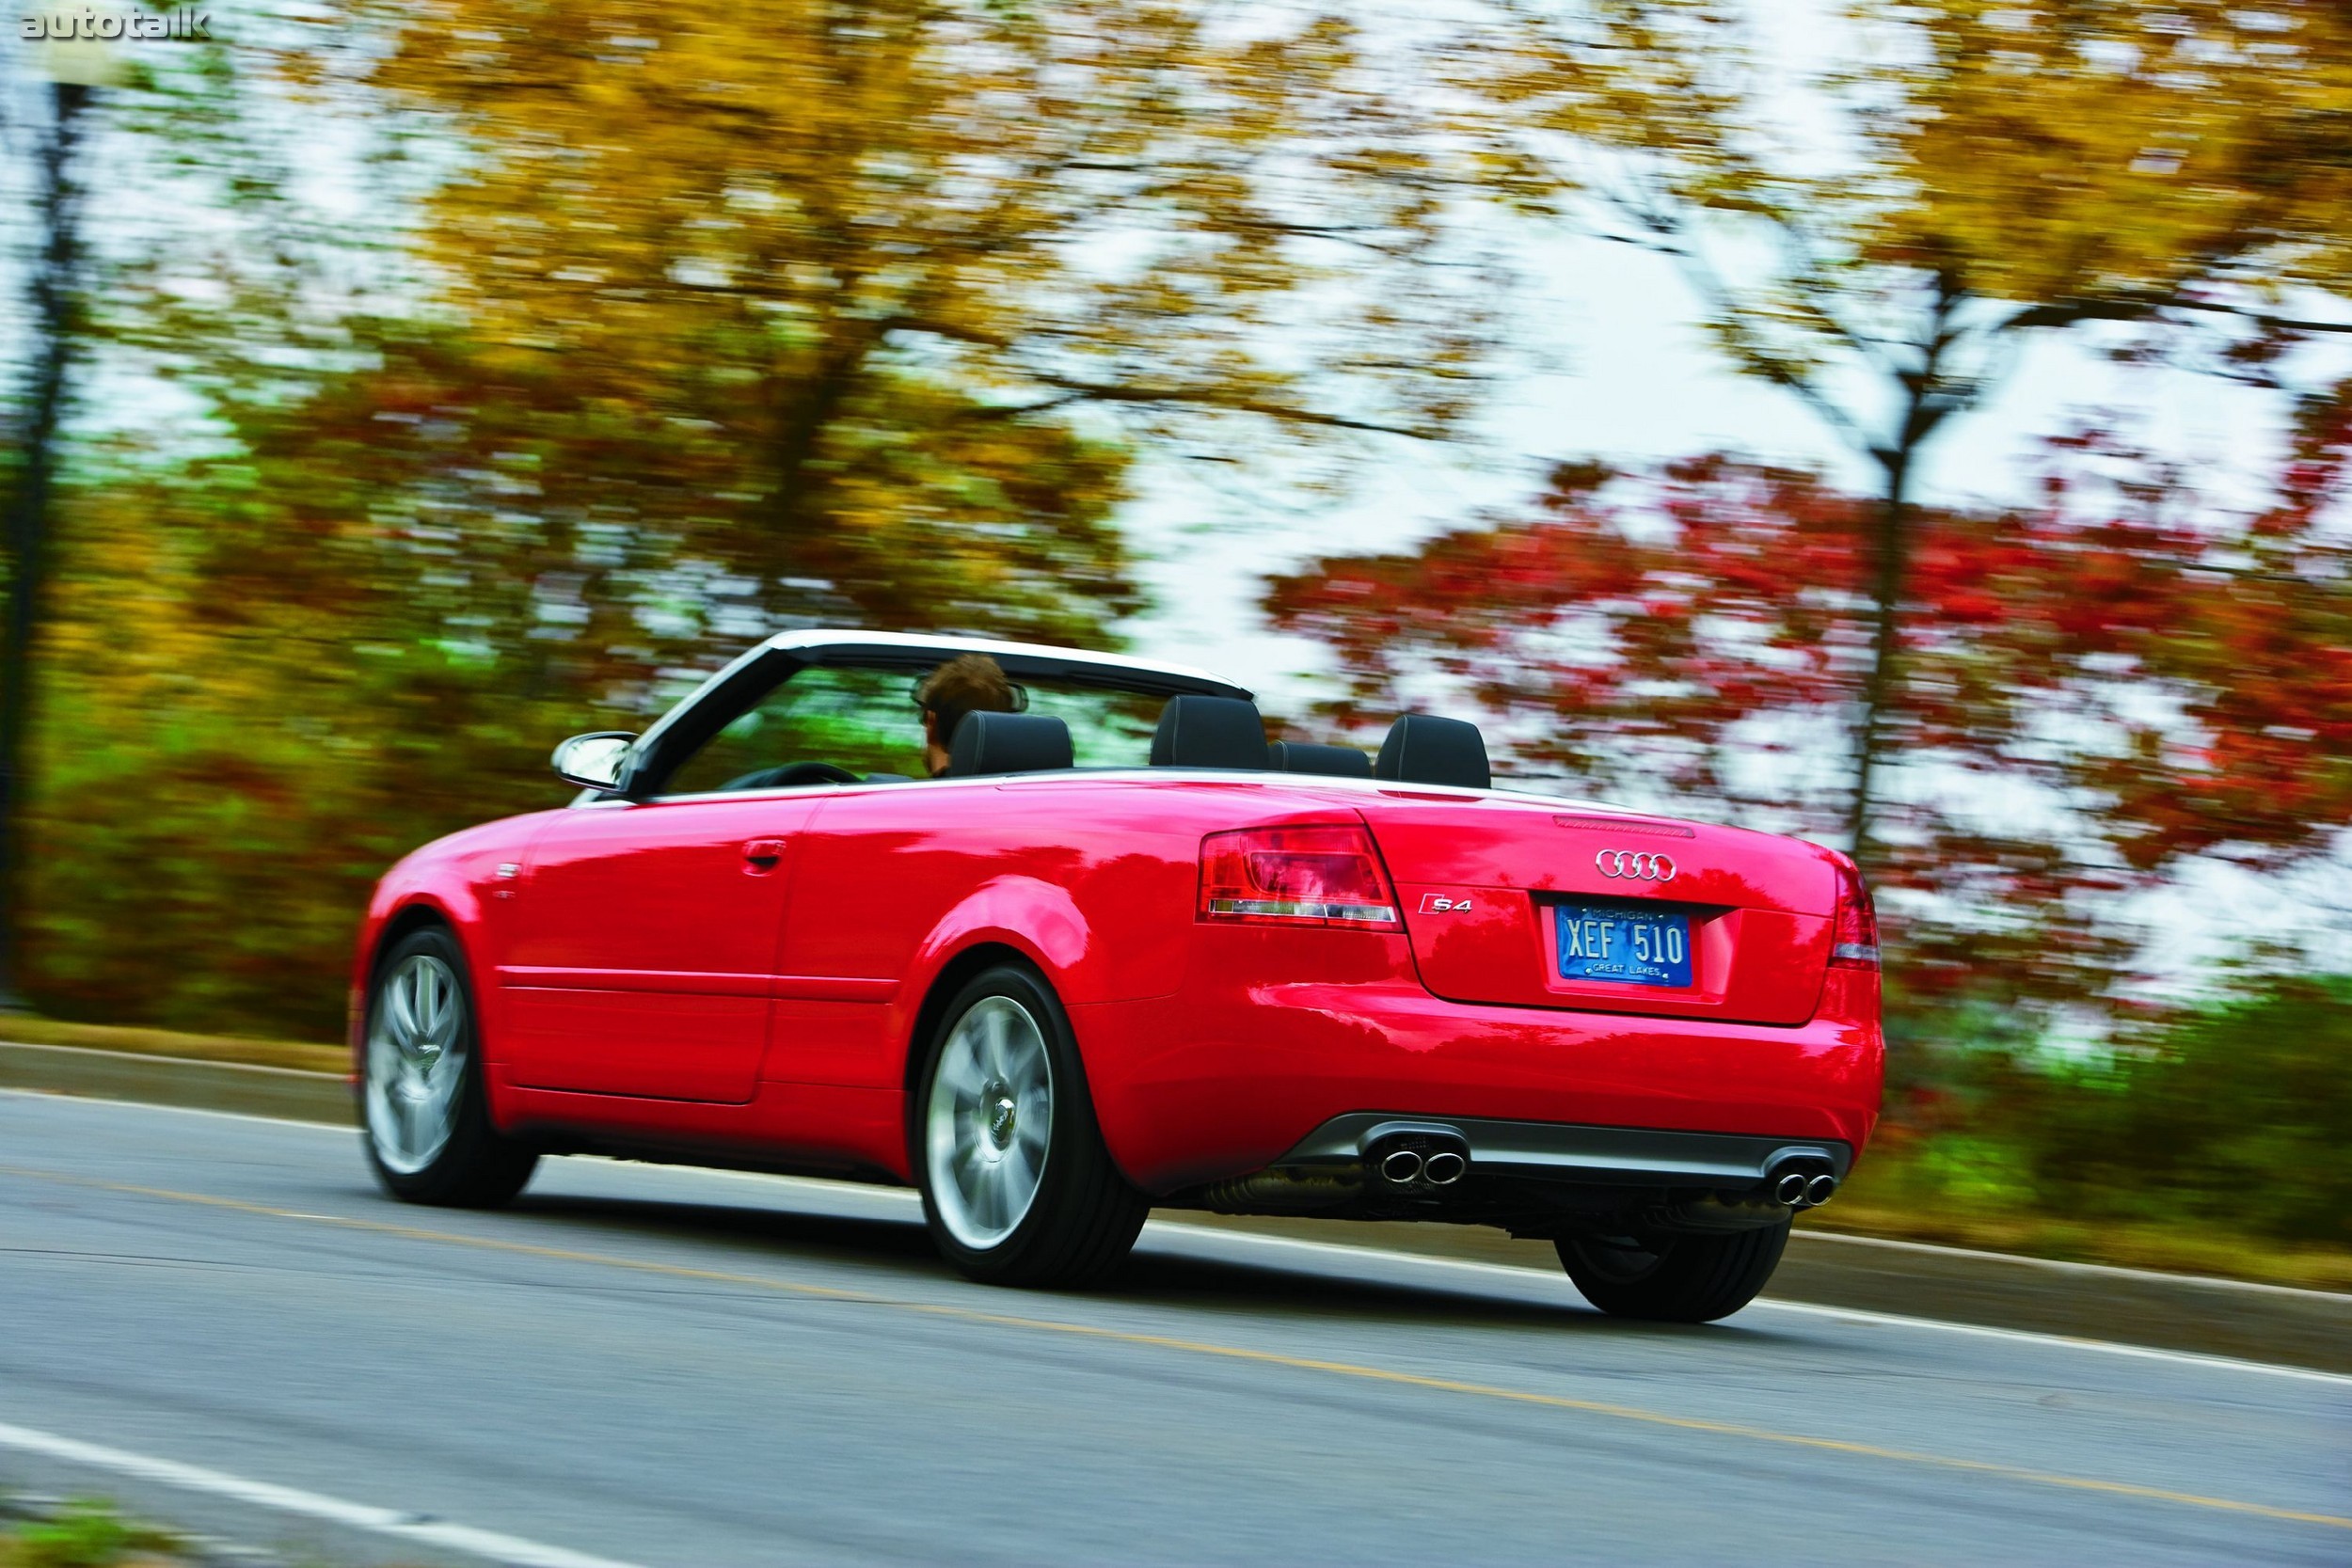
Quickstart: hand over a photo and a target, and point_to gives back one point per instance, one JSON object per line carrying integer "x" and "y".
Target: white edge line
{"x": 1385, "y": 1255}
{"x": 2063, "y": 1265}
{"x": 58, "y": 1097}
{"x": 2068, "y": 1341}
{"x": 490, "y": 1545}
{"x": 1850, "y": 1314}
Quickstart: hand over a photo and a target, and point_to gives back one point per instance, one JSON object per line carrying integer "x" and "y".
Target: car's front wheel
{"x": 421, "y": 1106}
{"x": 1016, "y": 1183}
{"x": 1686, "y": 1279}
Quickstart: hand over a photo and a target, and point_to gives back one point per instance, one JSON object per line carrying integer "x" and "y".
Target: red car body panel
{"x": 748, "y": 974}
{"x": 646, "y": 960}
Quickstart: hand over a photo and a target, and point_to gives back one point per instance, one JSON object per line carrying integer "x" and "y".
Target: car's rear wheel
{"x": 421, "y": 1106}
{"x": 1016, "y": 1183}
{"x": 1684, "y": 1279}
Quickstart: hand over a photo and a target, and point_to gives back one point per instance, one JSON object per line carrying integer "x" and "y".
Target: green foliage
{"x": 2235, "y": 1118}
{"x": 87, "y": 1534}
{"x": 2240, "y": 1116}
{"x": 227, "y": 762}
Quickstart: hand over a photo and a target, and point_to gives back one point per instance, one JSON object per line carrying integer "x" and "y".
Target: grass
{"x": 87, "y": 1535}
{"x": 26, "y": 1029}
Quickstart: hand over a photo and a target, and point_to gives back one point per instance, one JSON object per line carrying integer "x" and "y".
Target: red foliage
{"x": 2088, "y": 690}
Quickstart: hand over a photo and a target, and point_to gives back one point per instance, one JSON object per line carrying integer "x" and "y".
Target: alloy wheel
{"x": 416, "y": 1062}
{"x": 989, "y": 1123}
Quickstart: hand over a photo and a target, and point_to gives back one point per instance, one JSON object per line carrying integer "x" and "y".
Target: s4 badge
{"x": 1439, "y": 903}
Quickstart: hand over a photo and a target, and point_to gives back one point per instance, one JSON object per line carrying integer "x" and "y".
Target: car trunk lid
{"x": 1531, "y": 904}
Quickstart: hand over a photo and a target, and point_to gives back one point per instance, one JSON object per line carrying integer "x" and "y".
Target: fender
{"x": 1044, "y": 924}
{"x": 461, "y": 914}
{"x": 447, "y": 877}
{"x": 1036, "y": 919}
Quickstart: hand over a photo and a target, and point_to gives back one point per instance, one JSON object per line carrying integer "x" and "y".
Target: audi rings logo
{"x": 1635, "y": 866}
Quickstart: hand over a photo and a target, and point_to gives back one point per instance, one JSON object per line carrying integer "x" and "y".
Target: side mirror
{"x": 596, "y": 761}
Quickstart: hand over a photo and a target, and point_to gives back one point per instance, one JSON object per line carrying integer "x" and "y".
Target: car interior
{"x": 1195, "y": 731}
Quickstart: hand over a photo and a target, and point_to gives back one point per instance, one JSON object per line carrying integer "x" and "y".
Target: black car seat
{"x": 1210, "y": 732}
{"x": 1422, "y": 748}
{"x": 1300, "y": 756}
{"x": 988, "y": 742}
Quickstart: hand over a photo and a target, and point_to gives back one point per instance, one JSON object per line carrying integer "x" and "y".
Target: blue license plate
{"x": 1627, "y": 944}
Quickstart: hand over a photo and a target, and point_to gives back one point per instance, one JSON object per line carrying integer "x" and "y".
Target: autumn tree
{"x": 1879, "y": 236}
{"x": 660, "y": 327}
{"x": 28, "y": 522}
{"x": 2093, "y": 688}
{"x": 108, "y": 256}
{"x": 868, "y": 307}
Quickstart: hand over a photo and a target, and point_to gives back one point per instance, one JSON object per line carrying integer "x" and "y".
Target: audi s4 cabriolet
{"x": 1057, "y": 937}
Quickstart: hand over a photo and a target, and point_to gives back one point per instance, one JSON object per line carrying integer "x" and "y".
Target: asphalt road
{"x": 666, "y": 1367}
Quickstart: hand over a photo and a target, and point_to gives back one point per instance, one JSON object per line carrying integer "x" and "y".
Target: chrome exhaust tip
{"x": 1821, "y": 1190}
{"x": 1790, "y": 1189}
{"x": 1413, "y": 1159}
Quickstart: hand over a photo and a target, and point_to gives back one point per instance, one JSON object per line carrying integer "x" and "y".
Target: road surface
{"x": 663, "y": 1367}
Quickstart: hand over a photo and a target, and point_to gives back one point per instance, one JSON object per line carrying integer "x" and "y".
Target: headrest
{"x": 1422, "y": 748}
{"x": 990, "y": 742}
{"x": 1298, "y": 756}
{"x": 1210, "y": 732}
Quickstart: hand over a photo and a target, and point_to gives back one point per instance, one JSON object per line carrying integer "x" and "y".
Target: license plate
{"x": 1627, "y": 944}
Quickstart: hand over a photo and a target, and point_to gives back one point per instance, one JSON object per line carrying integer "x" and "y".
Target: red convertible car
{"x": 1103, "y": 948}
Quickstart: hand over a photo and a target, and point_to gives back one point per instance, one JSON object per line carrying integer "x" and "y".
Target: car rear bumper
{"x": 1565, "y": 1152}
{"x": 1224, "y": 1079}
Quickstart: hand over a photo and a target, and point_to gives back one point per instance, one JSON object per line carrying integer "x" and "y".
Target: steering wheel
{"x": 791, "y": 774}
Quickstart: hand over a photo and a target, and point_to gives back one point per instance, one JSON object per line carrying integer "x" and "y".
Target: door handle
{"x": 761, "y": 854}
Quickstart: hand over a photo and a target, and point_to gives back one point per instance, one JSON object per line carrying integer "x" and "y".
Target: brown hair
{"x": 969, "y": 683}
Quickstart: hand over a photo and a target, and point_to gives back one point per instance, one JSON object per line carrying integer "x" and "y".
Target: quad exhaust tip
{"x": 1401, "y": 1165}
{"x": 1443, "y": 1168}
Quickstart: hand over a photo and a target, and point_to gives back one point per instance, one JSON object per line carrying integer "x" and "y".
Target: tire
{"x": 423, "y": 1119}
{"x": 1674, "y": 1278}
{"x": 1017, "y": 1186}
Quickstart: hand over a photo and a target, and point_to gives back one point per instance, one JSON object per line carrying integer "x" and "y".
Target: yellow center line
{"x": 1228, "y": 1353}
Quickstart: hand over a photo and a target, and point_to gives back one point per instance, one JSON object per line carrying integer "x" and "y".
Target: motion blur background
{"x": 1923, "y": 427}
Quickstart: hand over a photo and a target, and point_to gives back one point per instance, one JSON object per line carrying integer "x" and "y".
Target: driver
{"x": 969, "y": 683}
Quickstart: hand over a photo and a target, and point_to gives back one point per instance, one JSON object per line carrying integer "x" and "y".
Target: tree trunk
{"x": 1928, "y": 400}
{"x": 805, "y": 409}
{"x": 28, "y": 519}
{"x": 1894, "y": 551}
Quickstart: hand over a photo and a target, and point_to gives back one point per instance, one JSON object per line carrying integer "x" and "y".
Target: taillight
{"x": 1296, "y": 877}
{"x": 1854, "y": 941}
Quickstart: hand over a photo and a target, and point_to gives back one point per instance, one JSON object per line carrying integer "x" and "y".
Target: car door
{"x": 644, "y": 948}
